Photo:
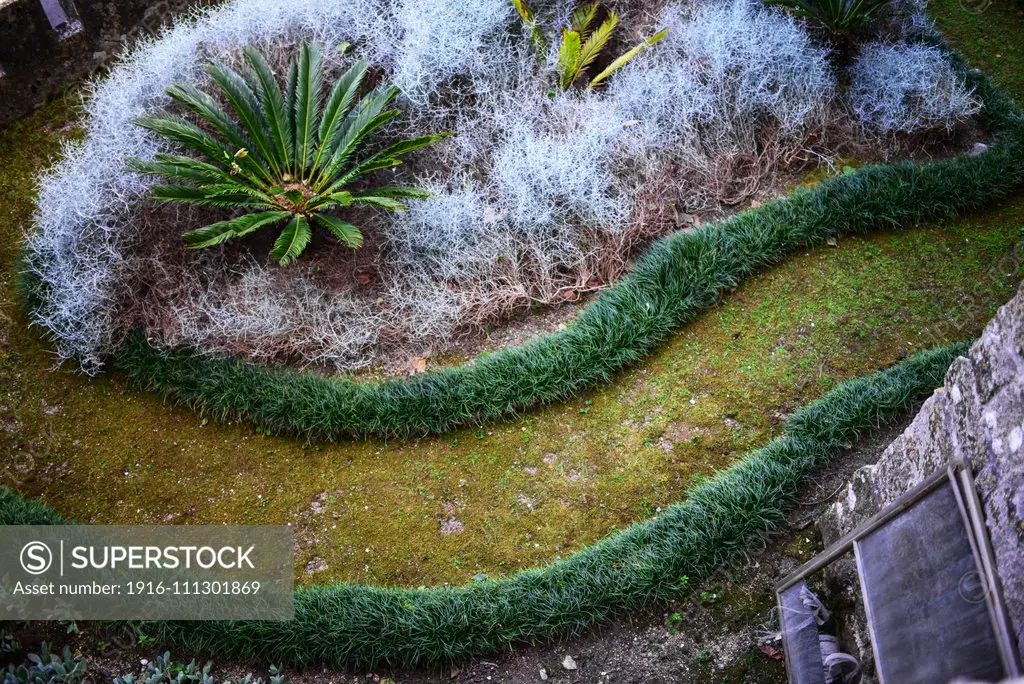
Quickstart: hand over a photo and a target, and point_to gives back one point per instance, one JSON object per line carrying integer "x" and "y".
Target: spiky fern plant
{"x": 582, "y": 44}
{"x": 283, "y": 157}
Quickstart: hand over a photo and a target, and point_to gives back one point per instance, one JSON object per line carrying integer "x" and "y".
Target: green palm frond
{"x": 339, "y": 104}
{"x": 278, "y": 156}
{"x": 216, "y": 233}
{"x": 366, "y": 118}
{"x": 273, "y": 107}
{"x": 394, "y": 191}
{"x": 581, "y": 47}
{"x": 202, "y": 104}
{"x": 308, "y": 98}
{"x": 625, "y": 57}
{"x": 207, "y": 196}
{"x": 568, "y": 58}
{"x": 387, "y": 158}
{"x": 839, "y": 16}
{"x": 292, "y": 241}
{"x": 247, "y": 107}
{"x": 595, "y": 43}
{"x": 388, "y": 203}
{"x": 346, "y": 233}
{"x": 582, "y": 18}
{"x": 187, "y": 135}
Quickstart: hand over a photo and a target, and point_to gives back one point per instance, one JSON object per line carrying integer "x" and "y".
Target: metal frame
{"x": 63, "y": 17}
{"x": 958, "y": 475}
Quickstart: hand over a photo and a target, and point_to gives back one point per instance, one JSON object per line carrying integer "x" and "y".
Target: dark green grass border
{"x": 16, "y": 510}
{"x": 352, "y": 625}
{"x": 676, "y": 279}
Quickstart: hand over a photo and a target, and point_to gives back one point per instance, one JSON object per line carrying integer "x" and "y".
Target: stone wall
{"x": 36, "y": 64}
{"x": 977, "y": 416}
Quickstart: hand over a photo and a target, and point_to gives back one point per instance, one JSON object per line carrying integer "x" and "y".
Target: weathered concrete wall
{"x": 36, "y": 65}
{"x": 978, "y": 416}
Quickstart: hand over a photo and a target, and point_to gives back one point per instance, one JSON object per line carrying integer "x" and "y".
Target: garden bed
{"x": 544, "y": 192}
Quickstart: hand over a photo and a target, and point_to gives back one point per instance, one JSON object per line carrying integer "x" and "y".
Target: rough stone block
{"x": 978, "y": 416}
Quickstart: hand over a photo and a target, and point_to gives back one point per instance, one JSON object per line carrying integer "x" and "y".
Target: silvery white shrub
{"x": 453, "y": 236}
{"x": 519, "y": 191}
{"x": 903, "y": 88}
{"x": 558, "y": 165}
{"x": 441, "y": 39}
{"x": 724, "y": 68}
{"x": 270, "y": 320}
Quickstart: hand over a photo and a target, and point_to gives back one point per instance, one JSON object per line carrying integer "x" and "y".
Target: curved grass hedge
{"x": 676, "y": 279}
{"x": 16, "y": 510}
{"x": 365, "y": 626}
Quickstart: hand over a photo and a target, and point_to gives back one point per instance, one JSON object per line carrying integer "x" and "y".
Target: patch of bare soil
{"x": 710, "y": 634}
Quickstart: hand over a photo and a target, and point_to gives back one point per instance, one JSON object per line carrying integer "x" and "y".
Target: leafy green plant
{"x": 841, "y": 17}
{"x": 47, "y": 668}
{"x": 582, "y": 44}
{"x": 9, "y": 644}
{"x": 674, "y": 623}
{"x": 281, "y": 156}
{"x": 162, "y": 670}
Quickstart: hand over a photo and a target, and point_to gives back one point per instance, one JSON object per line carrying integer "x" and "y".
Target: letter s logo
{"x": 36, "y": 558}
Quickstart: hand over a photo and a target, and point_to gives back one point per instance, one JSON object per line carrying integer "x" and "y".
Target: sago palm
{"x": 582, "y": 43}
{"x": 285, "y": 157}
{"x": 841, "y": 17}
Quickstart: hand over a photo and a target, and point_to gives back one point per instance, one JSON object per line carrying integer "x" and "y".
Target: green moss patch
{"x": 990, "y": 33}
